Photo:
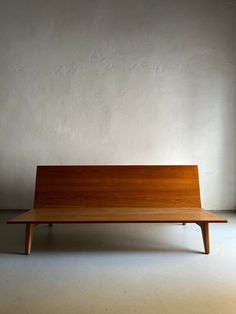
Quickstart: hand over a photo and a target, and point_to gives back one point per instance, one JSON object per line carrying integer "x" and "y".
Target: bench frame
{"x": 117, "y": 194}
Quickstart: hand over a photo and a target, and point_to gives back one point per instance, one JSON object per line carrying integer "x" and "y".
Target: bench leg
{"x": 205, "y": 236}
{"x": 184, "y": 223}
{"x": 28, "y": 237}
{"x": 50, "y": 225}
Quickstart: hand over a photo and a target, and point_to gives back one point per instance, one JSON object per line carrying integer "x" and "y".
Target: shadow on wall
{"x": 17, "y": 195}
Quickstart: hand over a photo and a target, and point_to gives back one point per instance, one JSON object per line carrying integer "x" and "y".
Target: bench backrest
{"x": 117, "y": 186}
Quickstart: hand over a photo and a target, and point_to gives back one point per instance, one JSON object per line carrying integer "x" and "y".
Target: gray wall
{"x": 118, "y": 82}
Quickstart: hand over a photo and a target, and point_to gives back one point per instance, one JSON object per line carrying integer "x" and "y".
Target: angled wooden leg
{"x": 205, "y": 236}
{"x": 28, "y": 237}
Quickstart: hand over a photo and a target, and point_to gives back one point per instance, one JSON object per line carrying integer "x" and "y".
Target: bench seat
{"x": 116, "y": 215}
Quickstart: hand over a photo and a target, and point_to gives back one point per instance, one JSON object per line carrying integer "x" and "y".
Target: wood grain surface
{"x": 122, "y": 214}
{"x": 117, "y": 186}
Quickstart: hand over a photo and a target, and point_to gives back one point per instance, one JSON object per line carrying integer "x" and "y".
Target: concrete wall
{"x": 118, "y": 82}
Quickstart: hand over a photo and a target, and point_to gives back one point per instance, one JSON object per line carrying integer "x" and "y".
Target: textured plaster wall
{"x": 118, "y": 82}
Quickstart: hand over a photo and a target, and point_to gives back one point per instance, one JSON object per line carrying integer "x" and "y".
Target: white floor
{"x": 118, "y": 268}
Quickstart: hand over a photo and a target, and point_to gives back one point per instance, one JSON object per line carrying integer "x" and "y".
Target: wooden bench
{"x": 116, "y": 194}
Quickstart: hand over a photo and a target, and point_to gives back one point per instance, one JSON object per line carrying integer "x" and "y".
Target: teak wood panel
{"x": 122, "y": 214}
{"x": 117, "y": 186}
